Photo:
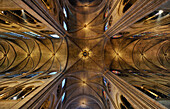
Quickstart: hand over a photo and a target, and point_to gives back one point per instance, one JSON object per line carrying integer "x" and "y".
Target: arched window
{"x": 63, "y": 82}
{"x": 105, "y": 81}
{"x": 12, "y": 76}
{"x": 117, "y": 36}
{"x": 106, "y": 13}
{"x": 65, "y": 12}
{"x": 55, "y": 36}
{"x": 106, "y": 26}
{"x": 104, "y": 94}
{"x": 126, "y": 102}
{"x": 115, "y": 72}
{"x": 154, "y": 16}
{"x": 14, "y": 34}
{"x": 151, "y": 92}
{"x": 65, "y": 25}
{"x": 52, "y": 73}
{"x": 128, "y": 4}
{"x": 122, "y": 106}
{"x": 23, "y": 93}
{"x": 119, "y": 73}
{"x": 8, "y": 94}
{"x": 63, "y": 96}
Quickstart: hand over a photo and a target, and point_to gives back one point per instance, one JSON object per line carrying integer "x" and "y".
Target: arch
{"x": 88, "y": 96}
{"x": 125, "y": 102}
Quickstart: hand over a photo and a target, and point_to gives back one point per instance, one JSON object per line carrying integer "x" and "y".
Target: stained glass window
{"x": 64, "y": 25}
{"x": 106, "y": 26}
{"x": 105, "y": 81}
{"x": 14, "y": 34}
{"x": 116, "y": 36}
{"x": 32, "y": 34}
{"x": 104, "y": 94}
{"x": 65, "y": 12}
{"x": 106, "y": 13}
{"x": 63, "y": 82}
{"x": 115, "y": 72}
{"x": 63, "y": 96}
{"x": 55, "y": 36}
{"x": 52, "y": 73}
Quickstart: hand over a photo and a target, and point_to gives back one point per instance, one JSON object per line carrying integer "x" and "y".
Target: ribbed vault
{"x": 73, "y": 44}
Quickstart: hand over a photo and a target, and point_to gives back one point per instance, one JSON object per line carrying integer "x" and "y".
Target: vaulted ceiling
{"x": 82, "y": 39}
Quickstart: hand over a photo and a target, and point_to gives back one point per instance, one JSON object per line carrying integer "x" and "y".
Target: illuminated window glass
{"x": 63, "y": 82}
{"x": 116, "y": 36}
{"x": 41, "y": 37}
{"x": 65, "y": 12}
{"x": 106, "y": 26}
{"x": 104, "y": 94}
{"x": 12, "y": 76}
{"x": 14, "y": 34}
{"x": 52, "y": 73}
{"x": 63, "y": 96}
{"x": 105, "y": 81}
{"x": 25, "y": 37}
{"x": 106, "y": 13}
{"x": 115, "y": 72}
{"x": 15, "y": 97}
{"x": 64, "y": 25}
{"x": 32, "y": 34}
{"x": 55, "y": 36}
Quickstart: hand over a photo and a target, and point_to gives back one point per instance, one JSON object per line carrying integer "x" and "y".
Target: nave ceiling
{"x": 82, "y": 40}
